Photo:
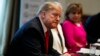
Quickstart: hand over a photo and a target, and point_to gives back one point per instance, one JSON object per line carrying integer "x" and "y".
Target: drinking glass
{"x": 92, "y": 50}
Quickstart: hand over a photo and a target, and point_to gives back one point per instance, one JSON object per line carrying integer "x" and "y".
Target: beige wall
{"x": 89, "y": 6}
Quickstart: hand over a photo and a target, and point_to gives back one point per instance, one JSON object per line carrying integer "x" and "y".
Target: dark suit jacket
{"x": 29, "y": 41}
{"x": 92, "y": 27}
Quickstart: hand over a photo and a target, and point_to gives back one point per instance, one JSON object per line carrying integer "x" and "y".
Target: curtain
{"x": 11, "y": 23}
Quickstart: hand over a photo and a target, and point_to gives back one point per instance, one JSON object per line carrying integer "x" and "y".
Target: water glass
{"x": 92, "y": 50}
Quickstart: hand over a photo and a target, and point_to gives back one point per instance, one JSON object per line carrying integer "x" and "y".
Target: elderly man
{"x": 31, "y": 39}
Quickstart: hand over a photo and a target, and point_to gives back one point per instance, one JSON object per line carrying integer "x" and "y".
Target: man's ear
{"x": 43, "y": 14}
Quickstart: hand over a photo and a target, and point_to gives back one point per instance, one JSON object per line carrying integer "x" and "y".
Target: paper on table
{"x": 83, "y": 50}
{"x": 87, "y": 51}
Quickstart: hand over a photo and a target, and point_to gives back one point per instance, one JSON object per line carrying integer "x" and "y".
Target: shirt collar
{"x": 44, "y": 27}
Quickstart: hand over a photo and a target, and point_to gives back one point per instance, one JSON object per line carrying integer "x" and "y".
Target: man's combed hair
{"x": 49, "y": 6}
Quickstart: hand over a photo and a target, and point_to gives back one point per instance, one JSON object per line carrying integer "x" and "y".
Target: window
{"x": 2, "y": 14}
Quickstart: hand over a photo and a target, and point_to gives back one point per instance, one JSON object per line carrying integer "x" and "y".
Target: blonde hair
{"x": 74, "y": 7}
{"x": 50, "y": 6}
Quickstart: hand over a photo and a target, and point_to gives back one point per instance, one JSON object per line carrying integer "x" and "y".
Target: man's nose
{"x": 58, "y": 18}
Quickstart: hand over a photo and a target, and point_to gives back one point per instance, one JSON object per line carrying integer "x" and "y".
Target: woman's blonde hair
{"x": 73, "y": 7}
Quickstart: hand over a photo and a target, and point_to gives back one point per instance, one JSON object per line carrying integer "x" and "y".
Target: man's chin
{"x": 54, "y": 26}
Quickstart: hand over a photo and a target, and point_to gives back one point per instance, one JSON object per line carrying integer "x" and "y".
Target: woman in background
{"x": 75, "y": 35}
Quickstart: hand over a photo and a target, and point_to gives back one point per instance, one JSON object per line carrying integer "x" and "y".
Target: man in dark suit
{"x": 29, "y": 40}
{"x": 93, "y": 28}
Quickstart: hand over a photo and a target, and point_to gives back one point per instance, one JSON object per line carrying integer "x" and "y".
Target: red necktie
{"x": 47, "y": 41}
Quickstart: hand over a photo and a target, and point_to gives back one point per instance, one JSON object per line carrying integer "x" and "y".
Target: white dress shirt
{"x": 56, "y": 41}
